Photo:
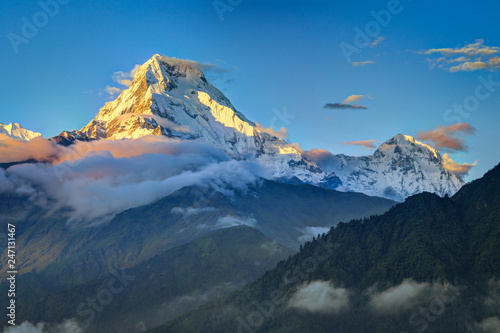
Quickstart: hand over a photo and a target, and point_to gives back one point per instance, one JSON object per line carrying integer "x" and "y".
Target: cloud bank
{"x": 320, "y": 297}
{"x": 400, "y": 297}
{"x": 67, "y": 326}
{"x": 192, "y": 211}
{"x": 234, "y": 221}
{"x": 489, "y": 325}
{"x": 309, "y": 232}
{"x": 97, "y": 180}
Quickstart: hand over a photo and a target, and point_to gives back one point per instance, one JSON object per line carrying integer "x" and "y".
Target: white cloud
{"x": 400, "y": 297}
{"x": 353, "y": 98}
{"x": 455, "y": 168}
{"x": 192, "y": 211}
{"x": 97, "y": 180}
{"x": 493, "y": 299}
{"x": 469, "y": 66}
{"x": 489, "y": 325}
{"x": 377, "y": 41}
{"x": 362, "y": 144}
{"x": 183, "y": 62}
{"x": 67, "y": 326}
{"x": 362, "y": 63}
{"x": 233, "y": 221}
{"x": 320, "y": 297}
{"x": 125, "y": 78}
{"x": 282, "y": 133}
{"x": 112, "y": 91}
{"x": 309, "y": 232}
{"x": 468, "y": 58}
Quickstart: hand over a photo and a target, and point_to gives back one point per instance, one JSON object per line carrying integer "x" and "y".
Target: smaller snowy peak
{"x": 16, "y": 131}
{"x": 400, "y": 167}
{"x": 406, "y": 145}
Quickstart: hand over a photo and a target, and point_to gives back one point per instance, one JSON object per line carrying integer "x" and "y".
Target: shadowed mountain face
{"x": 166, "y": 285}
{"x": 429, "y": 264}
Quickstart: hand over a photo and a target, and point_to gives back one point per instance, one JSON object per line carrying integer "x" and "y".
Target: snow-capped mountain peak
{"x": 408, "y": 144}
{"x": 170, "y": 97}
{"x": 400, "y": 167}
{"x": 16, "y": 131}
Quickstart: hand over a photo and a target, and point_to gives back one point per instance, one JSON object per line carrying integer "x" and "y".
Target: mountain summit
{"x": 16, "y": 131}
{"x": 399, "y": 168}
{"x": 171, "y": 97}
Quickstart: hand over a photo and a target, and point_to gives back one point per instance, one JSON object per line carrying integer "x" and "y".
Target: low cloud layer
{"x": 471, "y": 57}
{"x": 320, "y": 297}
{"x": 234, "y": 221}
{"x": 230, "y": 221}
{"x": 492, "y": 301}
{"x": 445, "y": 137}
{"x": 67, "y": 326}
{"x": 323, "y": 158}
{"x": 489, "y": 325}
{"x": 309, "y": 232}
{"x": 192, "y": 211}
{"x": 400, "y": 297}
{"x": 97, "y": 180}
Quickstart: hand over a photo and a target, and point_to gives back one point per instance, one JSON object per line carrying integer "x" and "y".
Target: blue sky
{"x": 278, "y": 55}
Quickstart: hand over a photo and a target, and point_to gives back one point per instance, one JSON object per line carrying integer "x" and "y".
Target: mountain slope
{"x": 168, "y": 284}
{"x": 16, "y": 131}
{"x": 447, "y": 247}
{"x": 399, "y": 168}
{"x": 61, "y": 257}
